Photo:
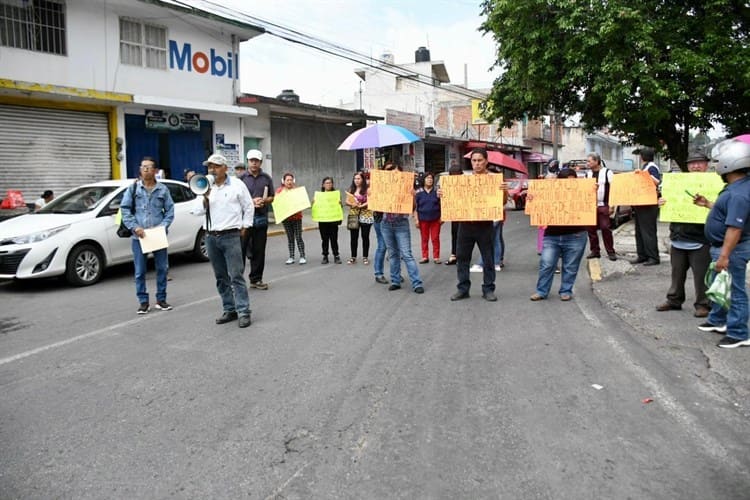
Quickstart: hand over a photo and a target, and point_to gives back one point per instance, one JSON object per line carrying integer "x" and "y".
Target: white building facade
{"x": 87, "y": 88}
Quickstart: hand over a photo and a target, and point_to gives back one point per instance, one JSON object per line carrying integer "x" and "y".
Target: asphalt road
{"x": 342, "y": 389}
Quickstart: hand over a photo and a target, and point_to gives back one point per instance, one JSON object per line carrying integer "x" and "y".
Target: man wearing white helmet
{"x": 728, "y": 232}
{"x": 261, "y": 190}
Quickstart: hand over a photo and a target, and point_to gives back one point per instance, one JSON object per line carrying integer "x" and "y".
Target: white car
{"x": 75, "y": 235}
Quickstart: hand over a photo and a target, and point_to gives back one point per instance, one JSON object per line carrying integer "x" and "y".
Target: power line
{"x": 297, "y": 37}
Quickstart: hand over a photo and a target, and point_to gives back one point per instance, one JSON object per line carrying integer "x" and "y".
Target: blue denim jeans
{"x": 379, "y": 264}
{"x": 569, "y": 248}
{"x": 225, "y": 253}
{"x": 498, "y": 244}
{"x": 161, "y": 262}
{"x": 397, "y": 236}
{"x": 737, "y": 316}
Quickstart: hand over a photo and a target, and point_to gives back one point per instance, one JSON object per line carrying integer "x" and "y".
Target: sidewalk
{"x": 633, "y": 292}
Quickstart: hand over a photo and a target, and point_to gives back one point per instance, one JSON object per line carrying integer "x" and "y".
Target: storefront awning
{"x": 535, "y": 157}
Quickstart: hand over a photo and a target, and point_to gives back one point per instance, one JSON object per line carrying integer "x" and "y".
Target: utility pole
{"x": 553, "y": 121}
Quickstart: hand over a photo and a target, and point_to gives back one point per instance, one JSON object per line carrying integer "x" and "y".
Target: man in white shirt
{"x": 229, "y": 213}
{"x": 603, "y": 177}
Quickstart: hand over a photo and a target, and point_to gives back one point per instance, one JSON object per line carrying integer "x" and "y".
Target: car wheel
{"x": 84, "y": 266}
{"x": 200, "y": 252}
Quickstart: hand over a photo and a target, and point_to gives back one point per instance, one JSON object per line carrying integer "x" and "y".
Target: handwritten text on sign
{"x": 327, "y": 207}
{"x": 634, "y": 188}
{"x": 391, "y": 191}
{"x": 288, "y": 202}
{"x": 562, "y": 202}
{"x": 679, "y": 206}
{"x": 471, "y": 197}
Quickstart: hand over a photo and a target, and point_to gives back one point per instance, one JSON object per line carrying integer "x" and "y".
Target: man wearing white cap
{"x": 260, "y": 185}
{"x": 229, "y": 215}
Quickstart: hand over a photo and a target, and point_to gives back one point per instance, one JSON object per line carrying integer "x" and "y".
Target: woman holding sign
{"x": 356, "y": 200}
{"x": 329, "y": 231}
{"x": 293, "y": 225}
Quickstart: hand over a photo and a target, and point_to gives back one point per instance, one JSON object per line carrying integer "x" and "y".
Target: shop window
{"x": 37, "y": 25}
{"x": 142, "y": 44}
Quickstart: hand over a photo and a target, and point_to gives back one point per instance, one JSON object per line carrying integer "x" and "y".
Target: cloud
{"x": 269, "y": 64}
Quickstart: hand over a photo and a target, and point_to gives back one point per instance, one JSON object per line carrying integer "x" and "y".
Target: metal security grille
{"x": 37, "y": 25}
{"x": 55, "y": 149}
{"x": 143, "y": 44}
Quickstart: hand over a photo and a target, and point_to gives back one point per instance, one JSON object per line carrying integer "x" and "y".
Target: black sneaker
{"x": 419, "y": 290}
{"x": 143, "y": 309}
{"x": 708, "y": 327}
{"x": 730, "y": 343}
{"x": 381, "y": 280}
{"x": 325, "y": 260}
{"x": 162, "y": 305}
{"x": 394, "y": 287}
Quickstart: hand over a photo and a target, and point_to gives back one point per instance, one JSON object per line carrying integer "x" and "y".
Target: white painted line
{"x": 666, "y": 400}
{"x": 101, "y": 331}
{"x": 112, "y": 328}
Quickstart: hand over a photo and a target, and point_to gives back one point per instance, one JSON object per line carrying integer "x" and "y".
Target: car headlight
{"x": 38, "y": 236}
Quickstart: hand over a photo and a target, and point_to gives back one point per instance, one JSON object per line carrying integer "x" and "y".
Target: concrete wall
{"x": 307, "y": 148}
{"x": 93, "y": 54}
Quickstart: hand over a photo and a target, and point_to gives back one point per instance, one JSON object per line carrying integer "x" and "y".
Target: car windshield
{"x": 82, "y": 199}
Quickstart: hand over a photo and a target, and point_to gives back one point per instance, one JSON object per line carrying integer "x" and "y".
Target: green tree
{"x": 650, "y": 69}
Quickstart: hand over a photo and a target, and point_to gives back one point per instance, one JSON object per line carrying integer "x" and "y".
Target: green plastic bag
{"x": 720, "y": 289}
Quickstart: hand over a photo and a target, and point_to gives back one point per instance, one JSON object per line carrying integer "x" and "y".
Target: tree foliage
{"x": 650, "y": 69}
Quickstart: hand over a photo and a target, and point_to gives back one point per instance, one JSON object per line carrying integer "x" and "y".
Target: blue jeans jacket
{"x": 151, "y": 209}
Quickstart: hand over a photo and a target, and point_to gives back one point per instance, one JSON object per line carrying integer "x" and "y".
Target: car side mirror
{"x": 108, "y": 211}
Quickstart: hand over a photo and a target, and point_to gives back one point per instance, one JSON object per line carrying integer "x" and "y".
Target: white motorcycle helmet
{"x": 731, "y": 155}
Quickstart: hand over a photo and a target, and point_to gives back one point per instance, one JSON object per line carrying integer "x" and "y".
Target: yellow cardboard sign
{"x": 391, "y": 191}
{"x": 471, "y": 197}
{"x": 562, "y": 202}
{"x": 632, "y": 188}
{"x": 326, "y": 206}
{"x": 677, "y": 190}
{"x": 288, "y": 202}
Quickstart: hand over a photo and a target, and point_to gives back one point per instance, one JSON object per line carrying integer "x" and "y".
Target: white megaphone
{"x": 200, "y": 184}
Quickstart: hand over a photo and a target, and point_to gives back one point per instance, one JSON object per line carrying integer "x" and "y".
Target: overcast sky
{"x": 447, "y": 27}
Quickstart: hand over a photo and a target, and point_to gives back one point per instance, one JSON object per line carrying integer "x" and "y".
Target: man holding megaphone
{"x": 229, "y": 211}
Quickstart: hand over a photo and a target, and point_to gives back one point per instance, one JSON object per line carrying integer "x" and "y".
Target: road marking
{"x": 84, "y": 336}
{"x": 668, "y": 402}
{"x": 112, "y": 328}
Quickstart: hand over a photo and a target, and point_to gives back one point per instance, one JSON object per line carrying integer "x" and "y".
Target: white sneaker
{"x": 302, "y": 260}
{"x": 290, "y": 260}
{"x": 476, "y": 268}
{"x": 498, "y": 268}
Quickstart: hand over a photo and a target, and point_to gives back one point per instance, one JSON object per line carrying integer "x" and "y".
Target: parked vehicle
{"x": 74, "y": 236}
{"x": 517, "y": 190}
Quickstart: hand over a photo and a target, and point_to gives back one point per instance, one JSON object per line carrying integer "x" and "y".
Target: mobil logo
{"x": 183, "y": 58}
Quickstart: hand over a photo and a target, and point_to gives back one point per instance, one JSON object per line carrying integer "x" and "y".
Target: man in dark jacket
{"x": 689, "y": 250}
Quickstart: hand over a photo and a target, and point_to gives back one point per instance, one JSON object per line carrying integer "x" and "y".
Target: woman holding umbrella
{"x": 357, "y": 204}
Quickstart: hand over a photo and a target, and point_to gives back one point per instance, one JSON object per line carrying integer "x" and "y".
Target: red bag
{"x": 13, "y": 199}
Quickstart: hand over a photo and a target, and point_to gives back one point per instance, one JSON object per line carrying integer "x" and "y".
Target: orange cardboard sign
{"x": 391, "y": 191}
{"x": 562, "y": 202}
{"x": 471, "y": 197}
{"x": 632, "y": 188}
